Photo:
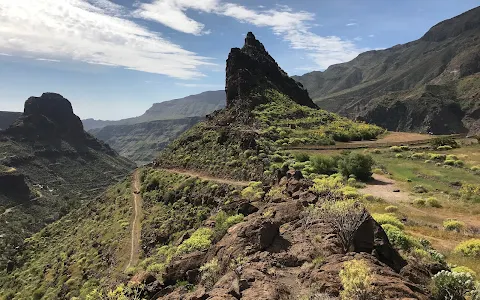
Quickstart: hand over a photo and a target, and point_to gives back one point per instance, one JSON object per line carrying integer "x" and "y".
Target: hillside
{"x": 428, "y": 85}
{"x": 141, "y": 142}
{"x": 207, "y": 233}
{"x": 192, "y": 106}
{"x": 49, "y": 166}
{"x": 7, "y": 118}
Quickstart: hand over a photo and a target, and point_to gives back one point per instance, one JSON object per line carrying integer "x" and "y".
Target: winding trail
{"x": 207, "y": 177}
{"x": 136, "y": 224}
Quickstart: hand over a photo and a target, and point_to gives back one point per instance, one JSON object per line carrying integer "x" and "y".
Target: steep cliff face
{"x": 445, "y": 58}
{"x": 48, "y": 166}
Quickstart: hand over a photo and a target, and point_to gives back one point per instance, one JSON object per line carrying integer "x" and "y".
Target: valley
{"x": 359, "y": 182}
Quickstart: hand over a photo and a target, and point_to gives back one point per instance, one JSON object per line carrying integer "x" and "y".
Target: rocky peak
{"x": 251, "y": 70}
{"x": 48, "y": 116}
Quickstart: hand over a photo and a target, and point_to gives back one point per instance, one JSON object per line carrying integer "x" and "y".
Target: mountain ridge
{"x": 396, "y": 87}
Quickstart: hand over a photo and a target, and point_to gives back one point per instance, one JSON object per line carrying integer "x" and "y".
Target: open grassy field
{"x": 427, "y": 187}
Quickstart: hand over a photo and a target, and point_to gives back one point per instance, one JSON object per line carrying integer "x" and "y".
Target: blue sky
{"x": 113, "y": 59}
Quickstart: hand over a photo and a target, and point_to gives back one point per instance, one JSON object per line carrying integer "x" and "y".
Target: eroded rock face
{"x": 252, "y": 69}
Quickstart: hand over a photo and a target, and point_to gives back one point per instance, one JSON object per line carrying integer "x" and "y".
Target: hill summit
{"x": 266, "y": 110}
{"x": 251, "y": 69}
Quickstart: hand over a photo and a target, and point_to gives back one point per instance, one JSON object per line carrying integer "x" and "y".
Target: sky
{"x": 114, "y": 58}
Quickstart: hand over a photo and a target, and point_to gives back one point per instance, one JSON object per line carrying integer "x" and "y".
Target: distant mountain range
{"x": 429, "y": 85}
{"x": 7, "y": 118}
{"x": 192, "y": 106}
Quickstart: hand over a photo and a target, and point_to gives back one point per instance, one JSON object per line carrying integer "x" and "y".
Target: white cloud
{"x": 171, "y": 13}
{"x": 371, "y": 36}
{"x": 358, "y": 39}
{"x": 351, "y": 24}
{"x": 293, "y": 27}
{"x": 91, "y": 32}
{"x": 47, "y": 59}
{"x": 5, "y": 54}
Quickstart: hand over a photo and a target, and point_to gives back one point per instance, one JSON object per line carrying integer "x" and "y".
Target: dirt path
{"x": 136, "y": 224}
{"x": 383, "y": 187}
{"x": 207, "y": 177}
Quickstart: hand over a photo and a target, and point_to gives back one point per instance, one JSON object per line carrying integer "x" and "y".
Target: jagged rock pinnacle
{"x": 252, "y": 70}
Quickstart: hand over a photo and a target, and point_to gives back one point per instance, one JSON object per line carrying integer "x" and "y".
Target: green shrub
{"x": 356, "y": 164}
{"x": 376, "y": 151}
{"x": 302, "y": 157}
{"x": 470, "y": 192}
{"x": 210, "y": 272}
{"x": 462, "y": 269}
{"x": 419, "y": 202}
{"x": 398, "y": 238}
{"x": 322, "y": 164}
{"x": 459, "y": 163}
{"x": 443, "y": 141}
{"x": 388, "y": 219}
{"x": 254, "y": 191}
{"x": 469, "y": 248}
{"x": 453, "y": 225}
{"x": 404, "y": 148}
{"x": 428, "y": 161}
{"x": 356, "y": 280}
{"x": 391, "y": 209}
{"x": 449, "y": 162}
{"x": 398, "y": 155}
{"x": 395, "y": 149}
{"x": 475, "y": 169}
{"x": 201, "y": 239}
{"x": 451, "y": 285}
{"x": 451, "y": 157}
{"x": 433, "y": 202}
{"x": 419, "y": 155}
{"x": 223, "y": 221}
{"x": 436, "y": 156}
{"x": 443, "y": 148}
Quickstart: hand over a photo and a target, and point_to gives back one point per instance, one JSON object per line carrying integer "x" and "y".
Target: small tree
{"x": 356, "y": 164}
{"x": 345, "y": 217}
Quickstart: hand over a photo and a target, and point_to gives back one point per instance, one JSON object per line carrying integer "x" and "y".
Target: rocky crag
{"x": 428, "y": 85}
{"x": 48, "y": 166}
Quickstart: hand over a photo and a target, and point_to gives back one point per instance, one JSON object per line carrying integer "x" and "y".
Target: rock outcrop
{"x": 251, "y": 69}
{"x": 269, "y": 255}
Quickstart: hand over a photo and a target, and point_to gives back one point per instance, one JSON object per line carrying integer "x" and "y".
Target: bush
{"x": 470, "y": 248}
{"x": 345, "y": 217}
{"x": 449, "y": 162}
{"x": 436, "y": 156}
{"x": 420, "y": 189}
{"x": 356, "y": 279}
{"x": 210, "y": 273}
{"x": 475, "y": 169}
{"x": 462, "y": 269}
{"x": 398, "y": 155}
{"x": 254, "y": 191}
{"x": 433, "y": 202}
{"x": 418, "y": 155}
{"x": 451, "y": 157}
{"x": 459, "y": 163}
{"x": 470, "y": 192}
{"x": 428, "y": 161}
{"x": 201, "y": 239}
{"x": 453, "y": 225}
{"x": 391, "y": 209}
{"x": 443, "y": 141}
{"x": 223, "y": 221}
{"x": 452, "y": 285}
{"x": 396, "y": 149}
{"x": 302, "y": 157}
{"x": 322, "y": 164}
{"x": 442, "y": 148}
{"x": 404, "y": 148}
{"x": 419, "y": 202}
{"x": 356, "y": 164}
{"x": 388, "y": 219}
{"x": 376, "y": 151}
